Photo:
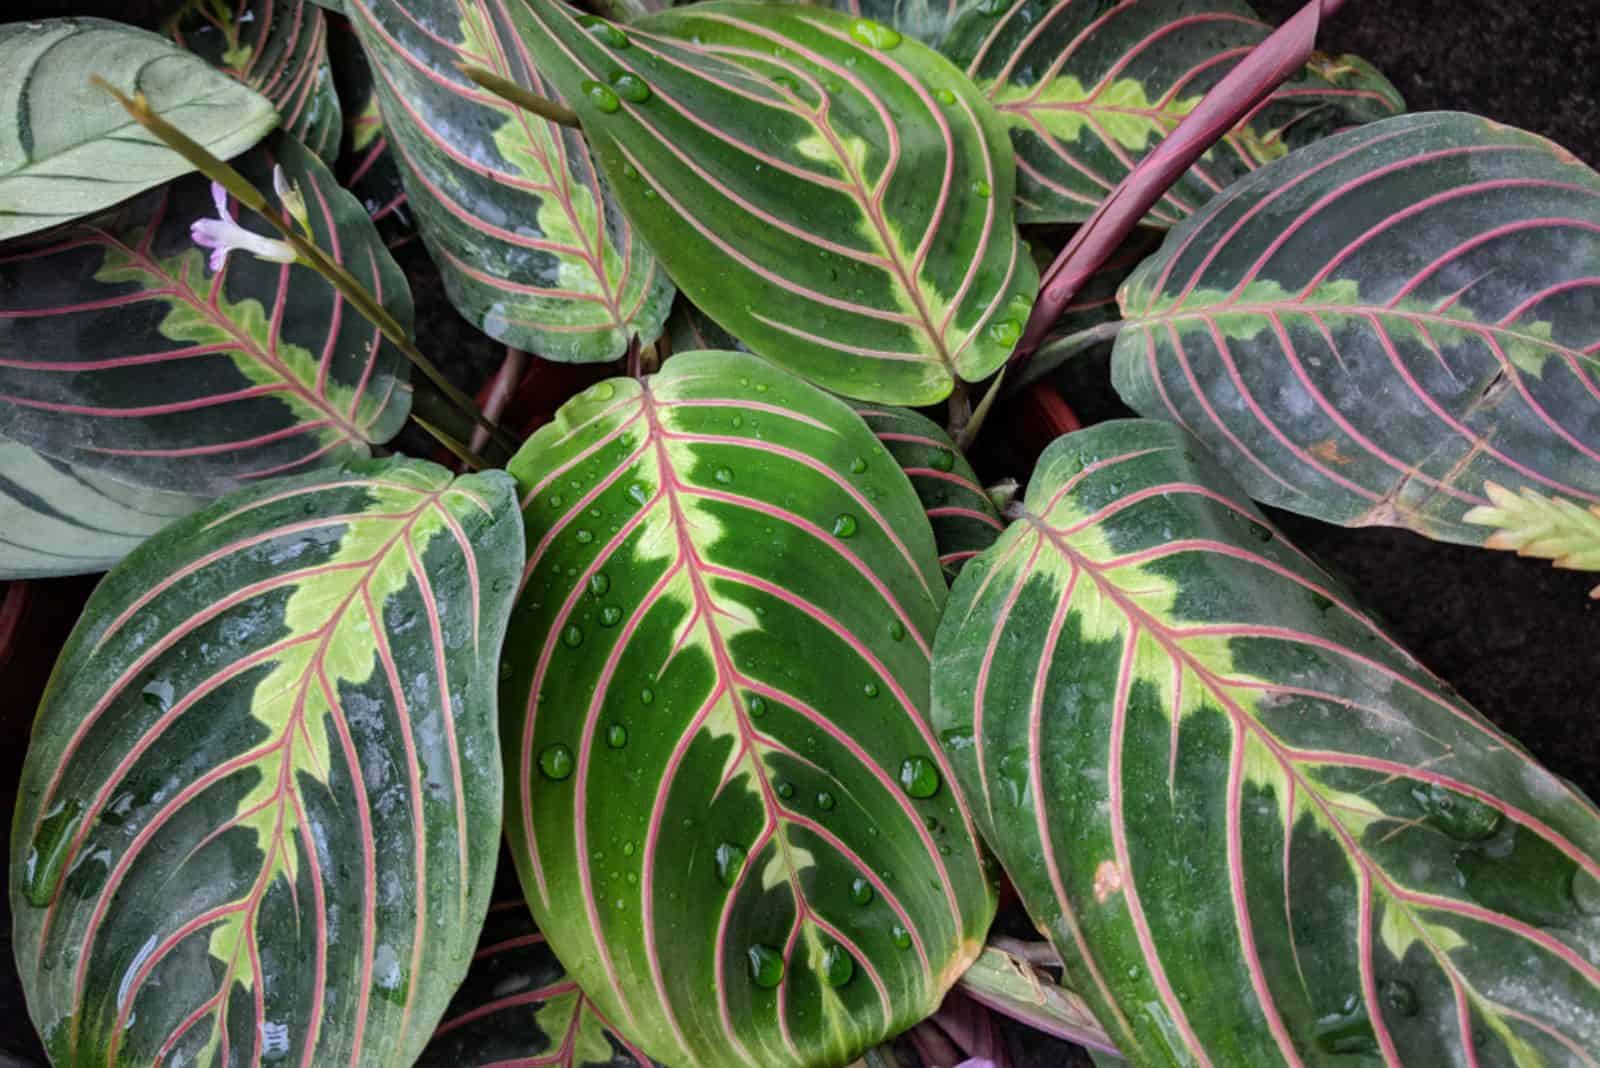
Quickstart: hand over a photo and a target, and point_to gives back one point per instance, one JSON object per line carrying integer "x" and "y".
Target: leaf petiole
{"x": 512, "y": 93}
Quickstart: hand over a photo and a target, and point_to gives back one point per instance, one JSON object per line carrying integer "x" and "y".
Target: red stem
{"x": 1269, "y": 65}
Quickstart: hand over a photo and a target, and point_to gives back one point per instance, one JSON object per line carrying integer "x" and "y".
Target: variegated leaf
{"x": 1088, "y": 90}
{"x": 280, "y": 49}
{"x": 926, "y": 20}
{"x": 1371, "y": 329}
{"x": 1256, "y": 829}
{"x": 964, "y": 519}
{"x": 837, "y": 198}
{"x": 728, "y": 811}
{"x": 57, "y": 519}
{"x": 122, "y": 351}
{"x": 259, "y": 813}
{"x": 532, "y": 249}
{"x": 519, "y": 1007}
{"x": 68, "y": 149}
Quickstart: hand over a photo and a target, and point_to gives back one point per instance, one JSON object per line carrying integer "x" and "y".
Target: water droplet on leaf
{"x": 1398, "y": 997}
{"x": 572, "y": 637}
{"x": 730, "y": 861}
{"x": 981, "y": 188}
{"x": 556, "y": 762}
{"x": 601, "y": 96}
{"x": 766, "y": 966}
{"x": 837, "y": 966}
{"x": 647, "y": 696}
{"x": 897, "y": 631}
{"x": 604, "y": 32}
{"x": 599, "y": 583}
{"x": 825, "y": 801}
{"x": 758, "y": 705}
{"x": 844, "y": 525}
{"x": 610, "y": 615}
{"x": 616, "y": 736}
{"x": 870, "y": 689}
{"x": 1463, "y": 818}
{"x": 1005, "y": 331}
{"x": 858, "y": 465}
{"x": 945, "y": 96}
{"x": 874, "y": 34}
{"x": 786, "y": 789}
{"x": 724, "y": 475}
{"x": 860, "y": 891}
{"x": 943, "y": 460}
{"x": 918, "y": 777}
{"x": 900, "y": 936}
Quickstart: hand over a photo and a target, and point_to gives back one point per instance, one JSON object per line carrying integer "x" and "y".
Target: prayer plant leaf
{"x": 519, "y": 1007}
{"x": 57, "y": 519}
{"x": 123, "y": 351}
{"x": 836, "y": 197}
{"x": 532, "y": 248}
{"x": 68, "y": 149}
{"x": 259, "y": 815}
{"x": 1088, "y": 90}
{"x": 965, "y": 521}
{"x": 278, "y": 48}
{"x": 1370, "y": 330}
{"x": 1256, "y": 829}
{"x": 747, "y": 856}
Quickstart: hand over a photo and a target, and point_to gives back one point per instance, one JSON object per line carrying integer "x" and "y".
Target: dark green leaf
{"x": 836, "y": 197}
{"x": 729, "y": 813}
{"x": 532, "y": 249}
{"x": 1372, "y": 329}
{"x": 120, "y": 350}
{"x": 964, "y": 519}
{"x": 259, "y": 814}
{"x": 1256, "y": 829}
{"x": 1088, "y": 90}
{"x": 518, "y": 1006}
{"x": 68, "y": 149}
{"x": 278, "y": 48}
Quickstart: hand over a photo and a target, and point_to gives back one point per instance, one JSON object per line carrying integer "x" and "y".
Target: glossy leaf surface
{"x": 120, "y": 349}
{"x": 746, "y": 855}
{"x": 56, "y": 519}
{"x": 1257, "y": 830}
{"x": 68, "y": 149}
{"x": 964, "y": 519}
{"x": 280, "y": 49}
{"x": 1088, "y": 90}
{"x": 532, "y": 249}
{"x": 518, "y": 1006}
{"x": 1370, "y": 330}
{"x": 258, "y": 817}
{"x": 836, "y": 197}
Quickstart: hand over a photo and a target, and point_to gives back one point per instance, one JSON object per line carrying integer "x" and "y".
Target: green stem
{"x": 307, "y": 251}
{"x": 969, "y": 433}
{"x": 513, "y": 93}
{"x": 460, "y": 451}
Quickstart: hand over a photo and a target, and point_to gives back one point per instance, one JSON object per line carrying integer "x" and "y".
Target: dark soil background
{"x": 1521, "y": 641}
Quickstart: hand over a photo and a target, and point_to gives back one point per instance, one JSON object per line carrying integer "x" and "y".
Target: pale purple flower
{"x": 222, "y": 235}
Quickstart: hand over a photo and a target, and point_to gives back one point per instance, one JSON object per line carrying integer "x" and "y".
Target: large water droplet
{"x": 158, "y": 694}
{"x": 556, "y": 762}
{"x": 616, "y": 736}
{"x": 48, "y": 853}
{"x": 572, "y": 637}
{"x": 1463, "y": 818}
{"x": 610, "y": 615}
{"x": 825, "y": 801}
{"x": 766, "y": 966}
{"x": 730, "y": 861}
{"x": 980, "y": 188}
{"x": 604, "y": 32}
{"x": 1348, "y": 1030}
{"x": 631, "y": 87}
{"x": 860, "y": 891}
{"x": 874, "y": 34}
{"x": 647, "y": 696}
{"x": 844, "y": 525}
{"x": 786, "y": 789}
{"x": 604, "y": 390}
{"x": 946, "y": 97}
{"x": 1005, "y": 331}
{"x": 858, "y": 465}
{"x": 599, "y": 584}
{"x": 918, "y": 777}
{"x": 584, "y": 535}
{"x": 897, "y": 631}
{"x": 943, "y": 460}
{"x": 837, "y": 966}
{"x": 870, "y": 689}
{"x": 639, "y": 493}
{"x": 900, "y": 936}
{"x": 724, "y": 475}
{"x": 601, "y": 96}
{"x": 758, "y": 705}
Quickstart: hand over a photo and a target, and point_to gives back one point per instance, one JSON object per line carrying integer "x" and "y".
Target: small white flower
{"x": 290, "y": 197}
{"x": 222, "y": 235}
